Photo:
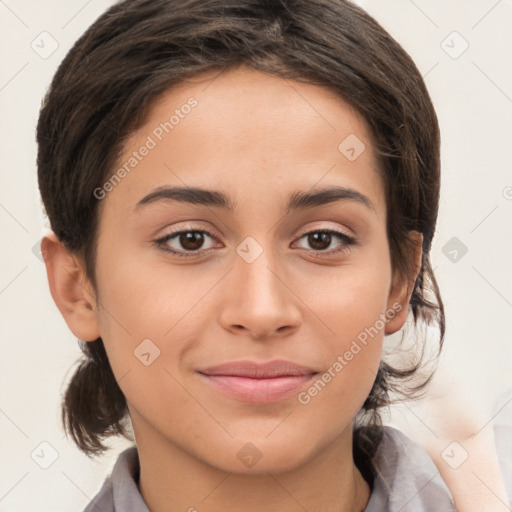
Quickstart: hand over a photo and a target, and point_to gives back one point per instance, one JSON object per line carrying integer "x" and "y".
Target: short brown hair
{"x": 138, "y": 49}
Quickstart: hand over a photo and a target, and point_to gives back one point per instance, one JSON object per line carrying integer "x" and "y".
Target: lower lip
{"x": 259, "y": 390}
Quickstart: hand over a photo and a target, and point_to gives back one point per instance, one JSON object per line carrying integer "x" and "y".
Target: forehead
{"x": 247, "y": 131}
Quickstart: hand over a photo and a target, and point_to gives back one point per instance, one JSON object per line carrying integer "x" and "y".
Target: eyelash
{"x": 342, "y": 237}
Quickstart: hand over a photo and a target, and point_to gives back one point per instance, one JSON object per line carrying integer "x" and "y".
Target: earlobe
{"x": 402, "y": 288}
{"x": 71, "y": 291}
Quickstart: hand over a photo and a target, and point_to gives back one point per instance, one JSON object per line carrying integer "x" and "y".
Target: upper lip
{"x": 277, "y": 368}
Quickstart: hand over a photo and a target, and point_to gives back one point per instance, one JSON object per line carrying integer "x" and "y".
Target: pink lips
{"x": 253, "y": 382}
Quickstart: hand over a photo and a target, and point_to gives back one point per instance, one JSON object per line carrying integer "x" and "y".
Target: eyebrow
{"x": 215, "y": 198}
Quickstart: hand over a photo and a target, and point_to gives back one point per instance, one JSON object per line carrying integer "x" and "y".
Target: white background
{"x": 473, "y": 98}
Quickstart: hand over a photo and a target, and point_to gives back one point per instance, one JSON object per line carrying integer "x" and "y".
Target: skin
{"x": 258, "y": 139}
{"x": 455, "y": 412}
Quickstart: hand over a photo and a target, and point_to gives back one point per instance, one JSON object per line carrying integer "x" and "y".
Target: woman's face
{"x": 255, "y": 280}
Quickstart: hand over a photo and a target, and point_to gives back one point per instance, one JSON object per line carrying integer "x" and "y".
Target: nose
{"x": 260, "y": 301}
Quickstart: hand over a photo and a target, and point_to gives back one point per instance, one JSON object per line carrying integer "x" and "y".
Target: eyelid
{"x": 330, "y": 226}
{"x": 328, "y": 230}
{"x": 190, "y": 227}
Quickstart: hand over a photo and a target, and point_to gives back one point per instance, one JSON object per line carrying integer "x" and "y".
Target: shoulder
{"x": 103, "y": 500}
{"x": 120, "y": 490}
{"x": 406, "y": 478}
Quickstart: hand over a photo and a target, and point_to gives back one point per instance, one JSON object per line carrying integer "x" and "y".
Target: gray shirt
{"x": 407, "y": 481}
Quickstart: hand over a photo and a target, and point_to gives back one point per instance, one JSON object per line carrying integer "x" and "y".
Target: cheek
{"x": 356, "y": 317}
{"x": 352, "y": 354}
{"x": 354, "y": 310}
{"x": 152, "y": 318}
{"x": 136, "y": 293}
{"x": 350, "y": 298}
{"x": 139, "y": 308}
{"x": 133, "y": 310}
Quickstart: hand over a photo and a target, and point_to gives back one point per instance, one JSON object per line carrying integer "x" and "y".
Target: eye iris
{"x": 196, "y": 238}
{"x": 314, "y": 238}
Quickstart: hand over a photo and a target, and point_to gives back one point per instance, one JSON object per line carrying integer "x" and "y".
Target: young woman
{"x": 242, "y": 196}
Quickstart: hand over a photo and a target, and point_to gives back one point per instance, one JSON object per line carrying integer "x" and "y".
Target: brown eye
{"x": 191, "y": 240}
{"x": 321, "y": 240}
{"x": 188, "y": 242}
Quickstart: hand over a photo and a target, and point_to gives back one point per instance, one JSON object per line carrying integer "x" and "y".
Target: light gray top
{"x": 407, "y": 481}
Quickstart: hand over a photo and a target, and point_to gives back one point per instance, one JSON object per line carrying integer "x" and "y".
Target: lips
{"x": 254, "y": 382}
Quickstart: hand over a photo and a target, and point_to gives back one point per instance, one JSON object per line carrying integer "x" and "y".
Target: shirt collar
{"x": 406, "y": 480}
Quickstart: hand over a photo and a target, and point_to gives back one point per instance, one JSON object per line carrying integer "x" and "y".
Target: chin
{"x": 275, "y": 464}
{"x": 262, "y": 456}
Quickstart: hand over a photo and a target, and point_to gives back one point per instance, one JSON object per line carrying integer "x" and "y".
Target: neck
{"x": 173, "y": 480}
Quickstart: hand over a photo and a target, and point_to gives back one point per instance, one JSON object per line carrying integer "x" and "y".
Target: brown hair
{"x": 138, "y": 49}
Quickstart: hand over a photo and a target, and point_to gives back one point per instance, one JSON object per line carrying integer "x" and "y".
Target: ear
{"x": 402, "y": 288}
{"x": 73, "y": 294}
